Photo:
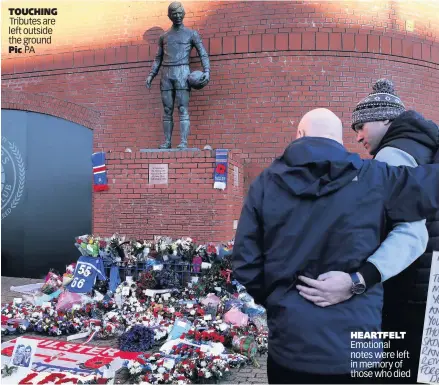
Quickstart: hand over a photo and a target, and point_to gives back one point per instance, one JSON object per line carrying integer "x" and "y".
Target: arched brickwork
{"x": 15, "y": 100}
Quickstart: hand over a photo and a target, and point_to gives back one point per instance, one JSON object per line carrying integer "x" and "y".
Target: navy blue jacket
{"x": 316, "y": 209}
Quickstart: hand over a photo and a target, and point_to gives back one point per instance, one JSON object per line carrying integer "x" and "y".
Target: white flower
{"x": 203, "y": 364}
{"x": 207, "y": 374}
{"x": 135, "y": 370}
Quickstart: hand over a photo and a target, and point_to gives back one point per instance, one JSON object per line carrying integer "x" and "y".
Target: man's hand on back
{"x": 328, "y": 289}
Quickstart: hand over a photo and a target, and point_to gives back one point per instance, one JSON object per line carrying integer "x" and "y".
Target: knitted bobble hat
{"x": 381, "y": 104}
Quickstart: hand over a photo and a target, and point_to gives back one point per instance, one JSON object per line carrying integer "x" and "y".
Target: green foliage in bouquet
{"x": 88, "y": 245}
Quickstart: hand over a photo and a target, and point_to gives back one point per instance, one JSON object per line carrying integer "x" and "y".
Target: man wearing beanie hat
{"x": 398, "y": 137}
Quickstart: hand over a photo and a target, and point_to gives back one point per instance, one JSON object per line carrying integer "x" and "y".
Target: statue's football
{"x": 194, "y": 80}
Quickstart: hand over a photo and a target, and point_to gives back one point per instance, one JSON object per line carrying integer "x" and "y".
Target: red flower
{"x": 102, "y": 380}
{"x": 220, "y": 169}
{"x": 97, "y": 362}
{"x": 79, "y": 241}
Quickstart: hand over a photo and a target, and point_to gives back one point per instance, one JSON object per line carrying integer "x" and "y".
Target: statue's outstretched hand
{"x": 205, "y": 78}
{"x": 148, "y": 81}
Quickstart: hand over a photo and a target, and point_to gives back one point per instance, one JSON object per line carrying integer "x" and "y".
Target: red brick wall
{"x": 187, "y": 206}
{"x": 271, "y": 63}
{"x": 252, "y": 104}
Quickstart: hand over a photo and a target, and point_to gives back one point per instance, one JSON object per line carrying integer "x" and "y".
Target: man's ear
{"x": 387, "y": 122}
{"x": 300, "y": 133}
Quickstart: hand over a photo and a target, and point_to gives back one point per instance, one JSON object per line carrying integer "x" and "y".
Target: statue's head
{"x": 176, "y": 12}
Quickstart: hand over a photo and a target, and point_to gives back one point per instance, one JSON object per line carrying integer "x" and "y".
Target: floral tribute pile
{"x": 175, "y": 301}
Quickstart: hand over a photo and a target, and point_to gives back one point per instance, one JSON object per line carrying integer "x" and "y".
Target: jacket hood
{"x": 313, "y": 167}
{"x": 411, "y": 125}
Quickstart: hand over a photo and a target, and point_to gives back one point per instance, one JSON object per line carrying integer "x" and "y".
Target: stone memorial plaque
{"x": 236, "y": 176}
{"x": 158, "y": 174}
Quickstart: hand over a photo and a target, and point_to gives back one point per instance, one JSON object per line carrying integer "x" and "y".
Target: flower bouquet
{"x": 68, "y": 275}
{"x": 53, "y": 282}
{"x": 88, "y": 245}
{"x": 141, "y": 250}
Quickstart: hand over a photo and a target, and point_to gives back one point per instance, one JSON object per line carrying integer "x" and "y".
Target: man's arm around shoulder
{"x": 404, "y": 244}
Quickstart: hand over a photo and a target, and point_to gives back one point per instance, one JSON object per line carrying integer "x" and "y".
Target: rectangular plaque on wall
{"x": 158, "y": 173}
{"x": 236, "y": 176}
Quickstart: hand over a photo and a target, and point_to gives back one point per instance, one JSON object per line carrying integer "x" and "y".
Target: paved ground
{"x": 245, "y": 375}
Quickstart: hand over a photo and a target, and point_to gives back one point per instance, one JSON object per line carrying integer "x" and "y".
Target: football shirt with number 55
{"x": 86, "y": 271}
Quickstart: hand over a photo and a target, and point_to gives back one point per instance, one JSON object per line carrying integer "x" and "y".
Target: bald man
{"x": 297, "y": 219}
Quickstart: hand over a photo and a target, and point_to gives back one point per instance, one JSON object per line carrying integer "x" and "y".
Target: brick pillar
{"x": 187, "y": 205}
